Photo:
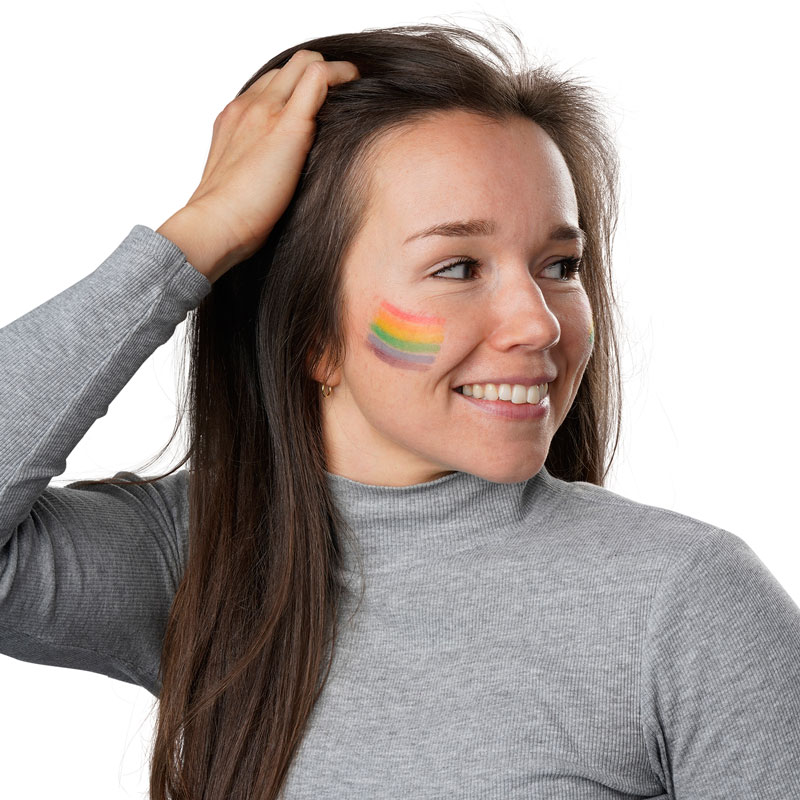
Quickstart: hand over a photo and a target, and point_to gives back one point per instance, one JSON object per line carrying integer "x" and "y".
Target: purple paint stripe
{"x": 397, "y": 363}
{"x": 397, "y": 358}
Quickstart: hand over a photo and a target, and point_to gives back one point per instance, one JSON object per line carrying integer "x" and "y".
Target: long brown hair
{"x": 255, "y": 612}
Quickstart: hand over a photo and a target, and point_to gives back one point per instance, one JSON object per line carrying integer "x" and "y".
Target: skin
{"x": 388, "y": 425}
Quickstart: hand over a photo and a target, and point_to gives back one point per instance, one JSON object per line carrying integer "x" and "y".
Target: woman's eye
{"x": 566, "y": 268}
{"x": 466, "y": 265}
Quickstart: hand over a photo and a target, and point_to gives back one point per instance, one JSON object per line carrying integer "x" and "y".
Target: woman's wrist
{"x": 201, "y": 242}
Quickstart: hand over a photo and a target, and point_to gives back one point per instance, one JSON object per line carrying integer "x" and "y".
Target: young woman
{"x": 391, "y": 568}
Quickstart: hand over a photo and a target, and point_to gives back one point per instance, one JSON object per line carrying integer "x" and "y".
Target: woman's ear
{"x": 322, "y": 372}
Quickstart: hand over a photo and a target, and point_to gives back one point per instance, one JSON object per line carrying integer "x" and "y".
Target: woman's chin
{"x": 507, "y": 473}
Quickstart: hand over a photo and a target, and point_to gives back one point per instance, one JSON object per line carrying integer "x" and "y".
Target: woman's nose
{"x": 523, "y": 317}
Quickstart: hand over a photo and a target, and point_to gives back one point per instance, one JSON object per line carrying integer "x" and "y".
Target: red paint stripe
{"x": 404, "y": 315}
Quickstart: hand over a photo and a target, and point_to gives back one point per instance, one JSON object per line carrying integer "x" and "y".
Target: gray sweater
{"x": 540, "y": 639}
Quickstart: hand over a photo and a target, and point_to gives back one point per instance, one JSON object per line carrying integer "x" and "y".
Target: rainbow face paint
{"x": 405, "y": 340}
{"x": 591, "y": 333}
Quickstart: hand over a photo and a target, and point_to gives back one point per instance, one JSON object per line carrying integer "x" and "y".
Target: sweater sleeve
{"x": 721, "y": 677}
{"x": 87, "y": 575}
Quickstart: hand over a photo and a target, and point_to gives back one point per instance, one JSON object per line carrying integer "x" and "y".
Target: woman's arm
{"x": 721, "y": 677}
{"x": 87, "y": 575}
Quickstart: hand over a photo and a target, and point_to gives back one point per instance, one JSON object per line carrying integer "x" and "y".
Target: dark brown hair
{"x": 254, "y": 618}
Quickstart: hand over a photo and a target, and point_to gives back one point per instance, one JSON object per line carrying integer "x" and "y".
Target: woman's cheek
{"x": 403, "y": 339}
{"x": 582, "y": 334}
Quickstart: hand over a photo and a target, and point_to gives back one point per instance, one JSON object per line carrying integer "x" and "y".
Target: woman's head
{"x": 418, "y": 324}
{"x": 435, "y": 131}
{"x": 439, "y": 128}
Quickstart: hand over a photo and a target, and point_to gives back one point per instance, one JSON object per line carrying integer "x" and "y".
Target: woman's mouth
{"x": 516, "y": 393}
{"x": 516, "y": 402}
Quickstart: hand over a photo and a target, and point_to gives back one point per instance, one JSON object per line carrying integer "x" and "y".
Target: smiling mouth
{"x": 517, "y": 394}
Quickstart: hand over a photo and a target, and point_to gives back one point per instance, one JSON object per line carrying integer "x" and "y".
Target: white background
{"x": 106, "y": 122}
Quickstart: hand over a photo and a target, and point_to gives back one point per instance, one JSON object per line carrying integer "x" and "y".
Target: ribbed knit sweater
{"x": 540, "y": 639}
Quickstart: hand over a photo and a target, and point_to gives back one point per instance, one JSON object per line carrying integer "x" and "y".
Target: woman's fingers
{"x": 280, "y": 88}
{"x": 312, "y": 87}
{"x": 270, "y": 93}
{"x": 261, "y": 83}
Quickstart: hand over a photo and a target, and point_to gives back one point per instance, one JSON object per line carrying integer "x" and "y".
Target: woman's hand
{"x": 260, "y": 142}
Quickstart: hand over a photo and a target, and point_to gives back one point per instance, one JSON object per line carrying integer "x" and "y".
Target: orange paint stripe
{"x": 407, "y": 332}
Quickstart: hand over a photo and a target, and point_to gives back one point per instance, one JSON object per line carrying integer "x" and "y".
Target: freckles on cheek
{"x": 403, "y": 339}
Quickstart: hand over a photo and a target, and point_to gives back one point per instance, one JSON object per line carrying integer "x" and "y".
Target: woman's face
{"x": 416, "y": 331}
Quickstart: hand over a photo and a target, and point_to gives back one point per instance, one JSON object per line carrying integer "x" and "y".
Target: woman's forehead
{"x": 459, "y": 164}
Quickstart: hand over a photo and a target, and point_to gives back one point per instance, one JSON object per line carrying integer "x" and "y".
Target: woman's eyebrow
{"x": 486, "y": 227}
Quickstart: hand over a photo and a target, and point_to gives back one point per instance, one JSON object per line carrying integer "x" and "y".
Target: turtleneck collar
{"x": 394, "y": 525}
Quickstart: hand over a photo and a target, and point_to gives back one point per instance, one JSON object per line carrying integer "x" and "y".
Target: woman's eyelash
{"x": 572, "y": 265}
{"x": 473, "y": 263}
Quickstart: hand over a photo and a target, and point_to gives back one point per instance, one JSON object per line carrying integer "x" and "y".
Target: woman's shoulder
{"x": 619, "y": 521}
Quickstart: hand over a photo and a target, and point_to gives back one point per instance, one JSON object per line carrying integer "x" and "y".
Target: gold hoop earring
{"x": 324, "y": 387}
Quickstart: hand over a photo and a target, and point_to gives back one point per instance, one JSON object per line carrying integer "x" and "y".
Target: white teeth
{"x": 516, "y": 393}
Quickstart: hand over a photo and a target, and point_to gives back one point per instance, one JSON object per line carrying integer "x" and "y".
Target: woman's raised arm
{"x": 87, "y": 575}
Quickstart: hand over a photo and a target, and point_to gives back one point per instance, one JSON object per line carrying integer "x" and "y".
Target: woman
{"x": 391, "y": 569}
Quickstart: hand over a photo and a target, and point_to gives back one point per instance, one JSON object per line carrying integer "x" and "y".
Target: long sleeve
{"x": 87, "y": 575}
{"x": 721, "y": 677}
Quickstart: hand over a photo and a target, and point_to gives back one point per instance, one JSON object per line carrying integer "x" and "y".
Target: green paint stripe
{"x": 404, "y": 344}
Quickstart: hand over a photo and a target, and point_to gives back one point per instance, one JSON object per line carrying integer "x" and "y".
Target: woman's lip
{"x": 509, "y": 410}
